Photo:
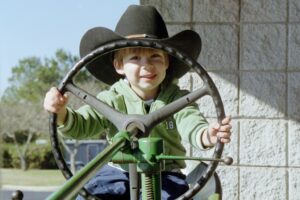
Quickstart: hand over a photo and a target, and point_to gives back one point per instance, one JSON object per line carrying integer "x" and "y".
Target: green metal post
{"x": 150, "y": 169}
{"x": 71, "y": 188}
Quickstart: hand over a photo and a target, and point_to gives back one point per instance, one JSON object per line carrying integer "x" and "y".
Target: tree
{"x": 23, "y": 118}
{"x": 21, "y": 102}
{"x": 32, "y": 77}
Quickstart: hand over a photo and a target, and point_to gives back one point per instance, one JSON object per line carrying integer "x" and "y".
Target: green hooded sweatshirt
{"x": 187, "y": 125}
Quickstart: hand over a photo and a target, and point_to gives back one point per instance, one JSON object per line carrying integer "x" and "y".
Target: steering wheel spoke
{"x": 158, "y": 116}
{"x": 111, "y": 114}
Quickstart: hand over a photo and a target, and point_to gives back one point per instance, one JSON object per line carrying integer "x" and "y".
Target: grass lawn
{"x": 31, "y": 177}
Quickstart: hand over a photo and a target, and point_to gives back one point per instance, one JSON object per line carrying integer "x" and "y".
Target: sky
{"x": 38, "y": 28}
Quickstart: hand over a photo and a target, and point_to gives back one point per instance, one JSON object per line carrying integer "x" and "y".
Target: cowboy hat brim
{"x": 102, "y": 68}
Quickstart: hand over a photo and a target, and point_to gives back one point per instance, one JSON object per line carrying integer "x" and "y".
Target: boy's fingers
{"x": 225, "y": 128}
{"x": 224, "y": 134}
{"x": 64, "y": 98}
{"x": 226, "y": 120}
{"x": 225, "y": 140}
{"x": 54, "y": 101}
{"x": 216, "y": 126}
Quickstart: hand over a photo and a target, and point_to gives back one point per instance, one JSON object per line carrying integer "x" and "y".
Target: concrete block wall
{"x": 251, "y": 49}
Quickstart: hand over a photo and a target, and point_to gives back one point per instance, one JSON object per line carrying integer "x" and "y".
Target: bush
{"x": 37, "y": 157}
{"x": 21, "y": 137}
{"x": 41, "y": 157}
{"x": 6, "y": 157}
{"x": 15, "y": 161}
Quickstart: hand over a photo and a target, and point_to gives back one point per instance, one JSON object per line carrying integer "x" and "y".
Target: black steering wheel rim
{"x": 209, "y": 84}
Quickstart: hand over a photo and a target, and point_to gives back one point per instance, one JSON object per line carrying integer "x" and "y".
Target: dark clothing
{"x": 111, "y": 183}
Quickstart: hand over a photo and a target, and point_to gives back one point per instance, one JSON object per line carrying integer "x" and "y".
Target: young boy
{"x": 141, "y": 80}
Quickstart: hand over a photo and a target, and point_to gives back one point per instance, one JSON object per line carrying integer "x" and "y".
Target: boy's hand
{"x": 215, "y": 130}
{"x": 55, "y": 102}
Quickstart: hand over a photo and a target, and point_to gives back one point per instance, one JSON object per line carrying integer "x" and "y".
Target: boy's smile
{"x": 150, "y": 77}
{"x": 145, "y": 71}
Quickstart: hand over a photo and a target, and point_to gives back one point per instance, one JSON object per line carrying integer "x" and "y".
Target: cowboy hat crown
{"x": 137, "y": 22}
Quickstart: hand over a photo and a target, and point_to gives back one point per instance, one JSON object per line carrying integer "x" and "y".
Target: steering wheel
{"x": 142, "y": 122}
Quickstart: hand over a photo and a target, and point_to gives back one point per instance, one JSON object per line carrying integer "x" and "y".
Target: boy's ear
{"x": 118, "y": 66}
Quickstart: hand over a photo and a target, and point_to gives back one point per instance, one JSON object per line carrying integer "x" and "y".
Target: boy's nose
{"x": 145, "y": 62}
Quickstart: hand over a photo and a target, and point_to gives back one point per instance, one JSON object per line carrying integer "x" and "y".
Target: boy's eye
{"x": 156, "y": 56}
{"x": 134, "y": 57}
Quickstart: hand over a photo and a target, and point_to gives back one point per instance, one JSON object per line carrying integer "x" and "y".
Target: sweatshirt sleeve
{"x": 191, "y": 124}
{"x": 85, "y": 122}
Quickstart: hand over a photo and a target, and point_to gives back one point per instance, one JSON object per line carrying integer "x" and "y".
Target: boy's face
{"x": 145, "y": 69}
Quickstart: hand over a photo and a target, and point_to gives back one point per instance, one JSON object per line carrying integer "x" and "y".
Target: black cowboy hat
{"x": 143, "y": 22}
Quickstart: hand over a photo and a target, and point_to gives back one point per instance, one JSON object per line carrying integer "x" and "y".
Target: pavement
{"x": 31, "y": 188}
